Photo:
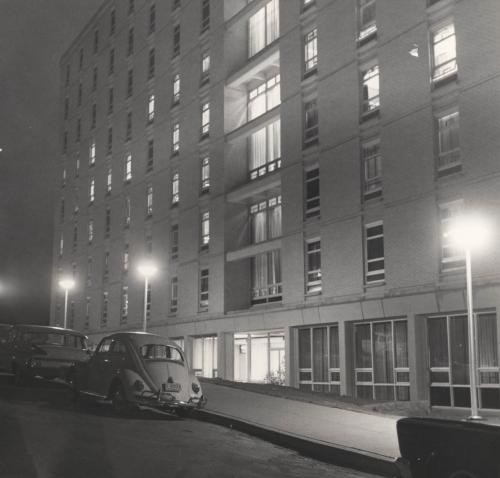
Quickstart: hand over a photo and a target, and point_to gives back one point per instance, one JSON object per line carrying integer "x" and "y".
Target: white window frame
{"x": 448, "y": 158}
{"x": 176, "y": 138}
{"x": 128, "y": 167}
{"x": 377, "y": 275}
{"x": 452, "y": 257}
{"x": 371, "y": 160}
{"x": 311, "y": 51}
{"x": 313, "y": 276}
{"x": 205, "y": 230}
{"x": 175, "y": 188}
{"x": 366, "y": 28}
{"x": 264, "y": 97}
{"x": 204, "y": 289}
{"x": 149, "y": 200}
{"x": 151, "y": 107}
{"x": 312, "y": 204}
{"x": 440, "y": 33}
{"x": 205, "y": 174}
{"x": 370, "y": 89}
{"x": 205, "y": 118}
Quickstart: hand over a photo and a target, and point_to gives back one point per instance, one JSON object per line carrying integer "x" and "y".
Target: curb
{"x": 330, "y": 453}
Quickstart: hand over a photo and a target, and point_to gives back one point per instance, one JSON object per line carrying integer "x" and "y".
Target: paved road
{"x": 44, "y": 435}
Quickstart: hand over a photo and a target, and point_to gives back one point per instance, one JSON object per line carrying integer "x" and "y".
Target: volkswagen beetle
{"x": 137, "y": 369}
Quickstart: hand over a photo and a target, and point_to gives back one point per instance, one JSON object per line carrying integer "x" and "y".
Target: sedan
{"x": 137, "y": 369}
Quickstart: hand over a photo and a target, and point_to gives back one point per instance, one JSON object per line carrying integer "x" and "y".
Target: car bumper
{"x": 168, "y": 402}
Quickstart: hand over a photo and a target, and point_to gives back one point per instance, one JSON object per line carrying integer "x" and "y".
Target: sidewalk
{"x": 367, "y": 442}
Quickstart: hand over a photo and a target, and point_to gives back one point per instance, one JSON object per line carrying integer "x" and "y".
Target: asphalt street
{"x": 44, "y": 434}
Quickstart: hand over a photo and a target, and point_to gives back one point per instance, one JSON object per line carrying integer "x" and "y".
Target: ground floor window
{"x": 449, "y": 361}
{"x": 381, "y": 360}
{"x": 319, "y": 367}
{"x": 205, "y": 356}
{"x": 260, "y": 357}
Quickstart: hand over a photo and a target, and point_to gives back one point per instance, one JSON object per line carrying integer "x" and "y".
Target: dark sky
{"x": 33, "y": 36}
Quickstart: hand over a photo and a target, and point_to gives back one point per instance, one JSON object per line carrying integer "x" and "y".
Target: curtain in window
{"x": 259, "y": 276}
{"x": 400, "y": 344}
{"x": 320, "y": 356}
{"x": 334, "y": 347}
{"x": 274, "y": 140}
{"x": 258, "y": 149}
{"x": 273, "y": 17}
{"x": 256, "y": 32}
{"x": 363, "y": 346}
{"x": 259, "y": 223}
{"x": 198, "y": 353}
{"x": 275, "y": 222}
{"x": 383, "y": 366}
{"x": 486, "y": 338}
{"x": 273, "y": 93}
{"x": 257, "y": 105}
{"x": 274, "y": 270}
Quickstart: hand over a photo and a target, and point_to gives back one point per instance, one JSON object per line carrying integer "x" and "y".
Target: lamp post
{"x": 470, "y": 233}
{"x": 66, "y": 283}
{"x": 147, "y": 269}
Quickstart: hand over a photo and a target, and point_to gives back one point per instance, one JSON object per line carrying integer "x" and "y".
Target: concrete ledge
{"x": 330, "y": 453}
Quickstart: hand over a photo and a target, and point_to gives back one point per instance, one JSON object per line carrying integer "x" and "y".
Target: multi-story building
{"x": 292, "y": 168}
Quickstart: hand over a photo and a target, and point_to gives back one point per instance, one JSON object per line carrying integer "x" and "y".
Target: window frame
{"x": 377, "y": 275}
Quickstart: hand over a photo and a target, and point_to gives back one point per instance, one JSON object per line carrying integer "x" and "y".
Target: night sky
{"x": 33, "y": 36}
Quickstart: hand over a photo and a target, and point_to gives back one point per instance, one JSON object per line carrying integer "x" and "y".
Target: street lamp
{"x": 66, "y": 283}
{"x": 147, "y": 269}
{"x": 469, "y": 233}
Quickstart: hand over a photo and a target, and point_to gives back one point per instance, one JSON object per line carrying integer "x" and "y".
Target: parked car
{"x": 137, "y": 369}
{"x": 43, "y": 351}
{"x": 4, "y": 338}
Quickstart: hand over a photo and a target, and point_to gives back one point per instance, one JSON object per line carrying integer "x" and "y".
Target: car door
{"x": 98, "y": 368}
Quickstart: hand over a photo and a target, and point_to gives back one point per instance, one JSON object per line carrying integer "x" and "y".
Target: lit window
{"x": 311, "y": 123}
{"x": 152, "y": 18}
{"x": 205, "y": 231}
{"x": 128, "y": 130}
{"x": 313, "y": 264}
{"x": 205, "y": 174}
{"x": 109, "y": 180}
{"x": 110, "y": 140}
{"x": 61, "y": 244}
{"x": 151, "y": 108}
{"x": 307, "y": 3}
{"x": 372, "y": 167}
{"x": 92, "y": 190}
{"x": 176, "y": 89}
{"x": 264, "y": 97}
{"x": 263, "y": 27}
{"x": 77, "y": 165}
{"x": 124, "y": 314}
{"x": 91, "y": 230}
{"x": 175, "y": 188}
{"x": 151, "y": 64}
{"x": 265, "y": 150}
{"x": 265, "y": 220}
{"x": 128, "y": 167}
{"x": 110, "y": 101}
{"x": 367, "y": 27}
{"x": 149, "y": 202}
{"x": 92, "y": 153}
{"x": 444, "y": 54}
{"x": 452, "y": 256}
{"x": 174, "y": 293}
{"x": 205, "y": 15}
{"x": 266, "y": 277}
{"x": 128, "y": 211}
{"x": 370, "y": 93}
{"x": 126, "y": 257}
{"x": 448, "y": 142}
{"x": 205, "y": 119}
{"x": 204, "y": 273}
{"x": 312, "y": 199}
{"x": 177, "y": 41}
{"x": 151, "y": 154}
{"x": 174, "y": 242}
{"x": 374, "y": 253}
{"x": 205, "y": 67}
{"x": 130, "y": 45}
{"x": 89, "y": 270}
{"x": 175, "y": 138}
{"x": 311, "y": 51}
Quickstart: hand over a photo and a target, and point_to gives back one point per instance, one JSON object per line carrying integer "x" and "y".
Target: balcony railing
{"x": 269, "y": 293}
{"x": 265, "y": 169}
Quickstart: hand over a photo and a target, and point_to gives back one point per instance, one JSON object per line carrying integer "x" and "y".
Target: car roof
{"x": 48, "y": 329}
{"x": 142, "y": 338}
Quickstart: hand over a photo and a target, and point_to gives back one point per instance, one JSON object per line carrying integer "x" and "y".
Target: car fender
{"x": 128, "y": 377}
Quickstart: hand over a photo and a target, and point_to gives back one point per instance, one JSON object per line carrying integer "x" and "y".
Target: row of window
{"x": 205, "y": 25}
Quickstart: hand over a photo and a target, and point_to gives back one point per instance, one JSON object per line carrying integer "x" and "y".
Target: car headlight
{"x": 195, "y": 387}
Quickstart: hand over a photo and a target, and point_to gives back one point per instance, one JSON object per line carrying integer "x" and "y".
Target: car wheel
{"x": 121, "y": 406}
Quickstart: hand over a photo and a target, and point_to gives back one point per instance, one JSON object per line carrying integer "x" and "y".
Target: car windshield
{"x": 160, "y": 352}
{"x": 44, "y": 338}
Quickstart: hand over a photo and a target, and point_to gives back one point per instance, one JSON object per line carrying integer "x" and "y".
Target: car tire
{"x": 121, "y": 406}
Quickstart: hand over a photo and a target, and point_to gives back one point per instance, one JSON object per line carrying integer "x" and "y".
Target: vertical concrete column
{"x": 346, "y": 358}
{"x": 291, "y": 357}
{"x": 225, "y": 355}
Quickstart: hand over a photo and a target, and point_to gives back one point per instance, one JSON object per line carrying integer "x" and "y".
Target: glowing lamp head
{"x": 147, "y": 269}
{"x": 470, "y": 232}
{"x": 67, "y": 283}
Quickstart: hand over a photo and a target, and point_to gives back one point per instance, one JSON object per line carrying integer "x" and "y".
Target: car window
{"x": 42, "y": 338}
{"x": 103, "y": 346}
{"x": 75, "y": 341}
{"x": 160, "y": 352}
{"x": 118, "y": 347}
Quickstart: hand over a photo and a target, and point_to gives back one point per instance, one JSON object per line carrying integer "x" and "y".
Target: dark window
{"x": 111, "y": 61}
{"x": 130, "y": 83}
{"x": 205, "y": 15}
{"x": 151, "y": 66}
{"x": 128, "y": 130}
{"x": 130, "y": 47}
{"x": 177, "y": 40}
{"x": 112, "y": 22}
{"x": 312, "y": 206}
{"x": 110, "y": 100}
{"x": 96, "y": 41}
{"x": 152, "y": 18}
